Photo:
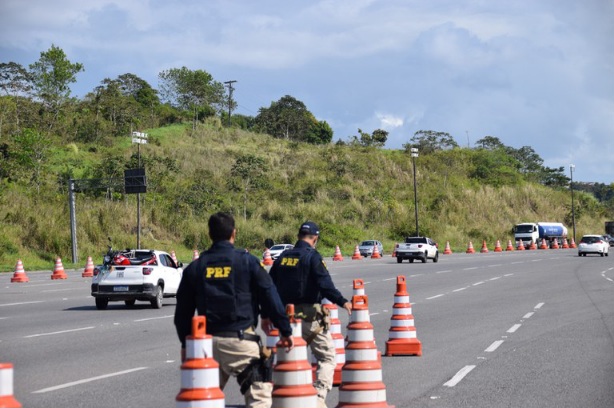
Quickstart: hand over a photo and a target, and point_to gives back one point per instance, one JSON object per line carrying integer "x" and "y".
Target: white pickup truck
{"x": 141, "y": 274}
{"x": 422, "y": 248}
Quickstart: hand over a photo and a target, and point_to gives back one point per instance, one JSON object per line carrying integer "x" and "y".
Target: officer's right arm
{"x": 186, "y": 303}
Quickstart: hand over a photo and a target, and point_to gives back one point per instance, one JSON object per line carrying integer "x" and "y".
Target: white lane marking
{"x": 478, "y": 283}
{"x": 508, "y": 274}
{"x": 57, "y": 290}
{"x": 373, "y": 314}
{"x": 495, "y": 345}
{"x": 458, "y": 290}
{"x": 22, "y": 303}
{"x": 153, "y": 318}
{"x": 86, "y": 380}
{"x": 446, "y": 271}
{"x": 514, "y": 328}
{"x": 519, "y": 262}
{"x": 366, "y": 283}
{"x": 435, "y": 297}
{"x": 539, "y": 305}
{"x": 528, "y": 315}
{"x": 459, "y": 376}
{"x": 389, "y": 279}
{"x": 536, "y": 260}
{"x": 470, "y": 269}
{"x": 5, "y": 317}
{"x": 495, "y": 278}
{"x": 41, "y": 284}
{"x": 418, "y": 274}
{"x": 492, "y": 266}
{"x": 58, "y": 332}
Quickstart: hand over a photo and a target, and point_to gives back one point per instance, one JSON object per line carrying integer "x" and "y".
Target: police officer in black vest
{"x": 231, "y": 288}
{"x": 302, "y": 279}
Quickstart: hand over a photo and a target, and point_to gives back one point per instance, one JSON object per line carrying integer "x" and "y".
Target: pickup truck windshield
{"x": 415, "y": 240}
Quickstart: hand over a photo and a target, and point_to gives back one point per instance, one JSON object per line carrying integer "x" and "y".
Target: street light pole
{"x": 572, "y": 167}
{"x": 414, "y": 154}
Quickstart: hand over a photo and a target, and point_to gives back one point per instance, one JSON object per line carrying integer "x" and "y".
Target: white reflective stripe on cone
{"x": 340, "y": 357}
{"x": 360, "y": 335}
{"x": 401, "y": 311}
{"x": 296, "y": 354}
{"x": 359, "y": 292}
{"x": 334, "y": 313}
{"x": 401, "y": 299}
{"x": 360, "y": 316}
{"x": 200, "y": 378}
{"x": 335, "y": 328}
{"x": 361, "y": 355}
{"x": 401, "y": 323}
{"x": 6, "y": 381}
{"x": 198, "y": 349}
{"x": 219, "y": 403}
{"x": 339, "y": 343}
{"x": 352, "y": 376}
{"x": 362, "y": 397}
{"x": 295, "y": 402}
{"x": 405, "y": 334}
{"x": 301, "y": 377}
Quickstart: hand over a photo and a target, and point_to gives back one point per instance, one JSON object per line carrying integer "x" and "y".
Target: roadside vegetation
{"x": 272, "y": 171}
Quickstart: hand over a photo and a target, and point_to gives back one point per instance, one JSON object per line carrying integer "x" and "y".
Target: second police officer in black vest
{"x": 231, "y": 288}
{"x": 302, "y": 279}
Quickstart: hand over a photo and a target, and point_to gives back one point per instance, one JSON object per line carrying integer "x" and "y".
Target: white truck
{"x": 528, "y": 232}
{"x": 421, "y": 248}
{"x": 146, "y": 275}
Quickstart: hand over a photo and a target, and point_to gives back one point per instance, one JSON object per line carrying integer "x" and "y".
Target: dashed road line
{"x": 58, "y": 332}
{"x": 86, "y": 380}
{"x": 495, "y": 345}
{"x": 478, "y": 283}
{"x": 459, "y": 289}
{"x": 539, "y": 305}
{"x": 435, "y": 297}
{"x": 528, "y": 315}
{"x": 22, "y": 303}
{"x": 517, "y": 262}
{"x": 470, "y": 269}
{"x": 153, "y": 318}
{"x": 514, "y": 328}
{"x": 495, "y": 265}
{"x": 446, "y": 271}
{"x": 509, "y": 274}
{"x": 459, "y": 376}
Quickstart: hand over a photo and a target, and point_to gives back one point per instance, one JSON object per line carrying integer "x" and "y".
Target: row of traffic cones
{"x": 20, "y": 275}
{"x": 359, "y": 368}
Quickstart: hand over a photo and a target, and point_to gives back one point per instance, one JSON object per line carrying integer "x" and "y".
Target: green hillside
{"x": 353, "y": 192}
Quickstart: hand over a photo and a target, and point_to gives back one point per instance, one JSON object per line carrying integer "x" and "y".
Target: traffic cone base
{"x": 470, "y": 249}
{"x": 376, "y": 254}
{"x": 447, "y": 250}
{"x": 267, "y": 260}
{"x": 58, "y": 270}
{"x": 484, "y": 248}
{"x": 498, "y": 247}
{"x": 88, "y": 271}
{"x": 337, "y": 256}
{"x": 7, "y": 400}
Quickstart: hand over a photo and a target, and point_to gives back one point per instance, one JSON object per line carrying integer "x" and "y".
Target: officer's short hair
{"x": 221, "y": 226}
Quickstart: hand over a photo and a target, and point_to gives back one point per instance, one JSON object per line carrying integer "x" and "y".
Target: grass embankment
{"x": 353, "y": 193}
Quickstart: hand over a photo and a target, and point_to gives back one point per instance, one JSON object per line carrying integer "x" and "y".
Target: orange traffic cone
{"x": 361, "y": 384}
{"x": 335, "y": 331}
{"x": 174, "y": 257}
{"x": 565, "y": 243}
{"x": 394, "y": 251}
{"x": 573, "y": 243}
{"x": 337, "y": 256}
{"x": 498, "y": 247}
{"x": 267, "y": 260}
{"x": 533, "y": 245}
{"x": 7, "y": 400}
{"x": 509, "y": 247}
{"x": 447, "y": 250}
{"x": 543, "y": 245}
{"x": 58, "y": 270}
{"x": 200, "y": 382}
{"x": 402, "y": 334}
{"x": 356, "y": 253}
{"x": 470, "y": 249}
{"x": 358, "y": 286}
{"x": 520, "y": 245}
{"x": 484, "y": 249}
{"x": 195, "y": 255}
{"x": 376, "y": 254}
{"x": 20, "y": 273}
{"x": 555, "y": 244}
{"x": 292, "y": 377}
{"x": 88, "y": 271}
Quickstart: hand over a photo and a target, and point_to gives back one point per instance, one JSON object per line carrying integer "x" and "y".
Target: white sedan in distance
{"x": 593, "y": 244}
{"x": 277, "y": 249}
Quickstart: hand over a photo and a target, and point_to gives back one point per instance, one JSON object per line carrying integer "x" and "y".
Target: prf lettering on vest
{"x": 289, "y": 261}
{"x": 217, "y": 272}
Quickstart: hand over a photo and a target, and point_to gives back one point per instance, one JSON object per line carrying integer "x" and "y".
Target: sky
{"x": 536, "y": 73}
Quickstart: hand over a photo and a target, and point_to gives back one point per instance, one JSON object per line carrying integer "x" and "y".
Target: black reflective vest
{"x": 293, "y": 270}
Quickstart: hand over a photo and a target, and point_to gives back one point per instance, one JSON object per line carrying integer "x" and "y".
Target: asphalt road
{"x": 515, "y": 329}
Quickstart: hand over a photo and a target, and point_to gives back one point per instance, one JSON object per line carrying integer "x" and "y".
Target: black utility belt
{"x": 237, "y": 335}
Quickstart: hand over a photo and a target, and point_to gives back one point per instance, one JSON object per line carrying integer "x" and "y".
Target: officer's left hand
{"x": 348, "y": 306}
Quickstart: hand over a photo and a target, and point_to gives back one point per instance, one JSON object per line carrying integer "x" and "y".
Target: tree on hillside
{"x": 15, "y": 87}
{"x": 52, "y": 75}
{"x": 429, "y": 141}
{"x": 193, "y": 91}
{"x": 319, "y": 133}
{"x": 30, "y": 155}
{"x": 490, "y": 143}
{"x": 287, "y": 118}
{"x": 110, "y": 103}
{"x": 248, "y": 174}
{"x": 376, "y": 139}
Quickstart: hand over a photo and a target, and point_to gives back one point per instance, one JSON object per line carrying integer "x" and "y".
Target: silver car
{"x": 366, "y": 247}
{"x": 593, "y": 244}
{"x": 277, "y": 249}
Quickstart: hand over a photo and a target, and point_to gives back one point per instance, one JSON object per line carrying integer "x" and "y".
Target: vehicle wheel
{"x": 156, "y": 302}
{"x": 436, "y": 259}
{"x": 411, "y": 260}
{"x": 606, "y": 254}
{"x": 601, "y": 254}
{"x": 424, "y": 259}
{"x": 102, "y": 303}
{"x": 399, "y": 259}
{"x": 130, "y": 302}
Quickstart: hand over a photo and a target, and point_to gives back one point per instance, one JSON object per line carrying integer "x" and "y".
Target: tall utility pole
{"x": 230, "y": 89}
{"x": 414, "y": 154}
{"x": 572, "y": 167}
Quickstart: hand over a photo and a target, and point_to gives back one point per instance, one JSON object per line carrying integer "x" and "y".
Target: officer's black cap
{"x": 309, "y": 228}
